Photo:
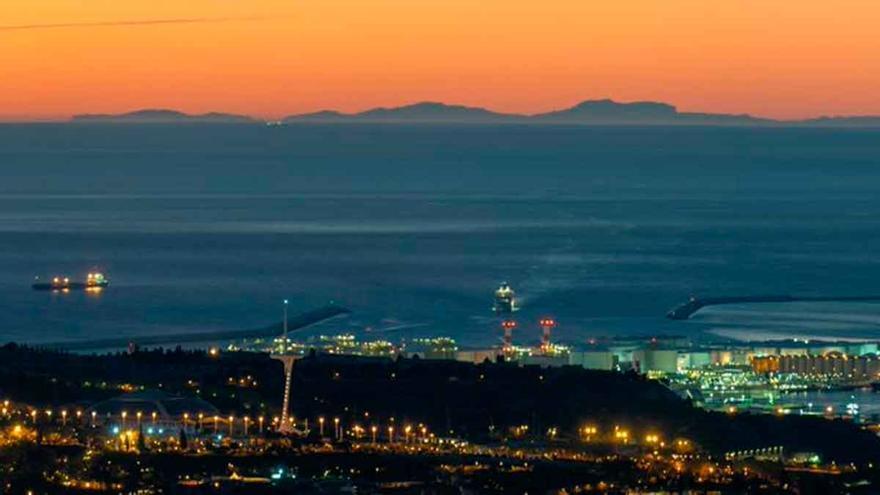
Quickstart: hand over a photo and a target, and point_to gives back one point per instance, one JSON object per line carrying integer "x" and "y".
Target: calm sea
{"x": 210, "y": 227}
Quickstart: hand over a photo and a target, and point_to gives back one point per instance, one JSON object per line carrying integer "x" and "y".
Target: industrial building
{"x": 655, "y": 360}
{"x": 831, "y": 364}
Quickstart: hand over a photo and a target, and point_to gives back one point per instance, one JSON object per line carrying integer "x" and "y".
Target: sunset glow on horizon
{"x": 270, "y": 58}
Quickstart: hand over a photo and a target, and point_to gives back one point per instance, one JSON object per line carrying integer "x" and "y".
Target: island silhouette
{"x": 589, "y": 112}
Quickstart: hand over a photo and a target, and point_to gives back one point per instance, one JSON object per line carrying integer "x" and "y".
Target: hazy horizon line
{"x": 65, "y": 118}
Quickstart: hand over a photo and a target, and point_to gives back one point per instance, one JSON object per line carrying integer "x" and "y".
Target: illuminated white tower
{"x": 288, "y": 361}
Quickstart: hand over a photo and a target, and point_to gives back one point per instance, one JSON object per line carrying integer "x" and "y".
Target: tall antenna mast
{"x": 285, "y": 324}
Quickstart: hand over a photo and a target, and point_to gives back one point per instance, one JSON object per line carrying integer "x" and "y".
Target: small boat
{"x": 505, "y": 300}
{"x": 93, "y": 282}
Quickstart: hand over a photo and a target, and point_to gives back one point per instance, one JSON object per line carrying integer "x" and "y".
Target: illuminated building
{"x": 833, "y": 364}
{"x": 593, "y": 359}
{"x": 663, "y": 360}
{"x": 169, "y": 409}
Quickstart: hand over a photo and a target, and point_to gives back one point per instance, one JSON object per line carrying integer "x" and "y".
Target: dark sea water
{"x": 210, "y": 227}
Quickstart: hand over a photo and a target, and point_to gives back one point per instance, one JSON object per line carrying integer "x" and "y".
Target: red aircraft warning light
{"x": 547, "y": 325}
{"x": 508, "y": 326}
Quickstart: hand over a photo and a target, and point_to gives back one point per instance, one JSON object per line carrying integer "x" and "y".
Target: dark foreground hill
{"x": 473, "y": 400}
{"x": 478, "y": 402}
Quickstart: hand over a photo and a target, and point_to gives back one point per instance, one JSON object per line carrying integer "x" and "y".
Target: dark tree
{"x": 184, "y": 443}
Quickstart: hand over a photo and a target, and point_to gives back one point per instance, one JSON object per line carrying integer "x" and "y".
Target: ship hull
{"x": 70, "y": 286}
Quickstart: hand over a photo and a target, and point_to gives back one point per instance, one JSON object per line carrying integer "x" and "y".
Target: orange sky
{"x": 779, "y": 58}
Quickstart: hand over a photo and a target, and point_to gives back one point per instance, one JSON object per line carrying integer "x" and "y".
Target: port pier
{"x": 685, "y": 310}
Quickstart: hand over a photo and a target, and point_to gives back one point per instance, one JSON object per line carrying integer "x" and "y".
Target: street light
{"x": 64, "y": 417}
{"x": 93, "y": 418}
{"x": 260, "y": 419}
{"x": 373, "y": 430}
{"x": 216, "y": 423}
{"x": 153, "y": 416}
{"x": 246, "y": 420}
{"x": 390, "y": 434}
{"x": 124, "y": 414}
{"x": 139, "y": 414}
{"x": 321, "y": 425}
{"x": 336, "y": 428}
{"x": 231, "y": 423}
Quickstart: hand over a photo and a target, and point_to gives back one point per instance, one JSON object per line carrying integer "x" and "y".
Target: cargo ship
{"x": 505, "y": 300}
{"x": 93, "y": 282}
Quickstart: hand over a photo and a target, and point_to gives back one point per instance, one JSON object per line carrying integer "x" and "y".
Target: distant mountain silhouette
{"x": 424, "y": 112}
{"x": 162, "y": 116}
{"x": 590, "y": 112}
{"x": 612, "y": 111}
{"x": 609, "y": 112}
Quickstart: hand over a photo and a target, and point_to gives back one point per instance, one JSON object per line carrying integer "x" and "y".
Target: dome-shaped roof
{"x": 149, "y": 401}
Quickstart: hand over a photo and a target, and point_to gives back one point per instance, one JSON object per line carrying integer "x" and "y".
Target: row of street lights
{"x": 409, "y": 432}
{"x": 216, "y": 419}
